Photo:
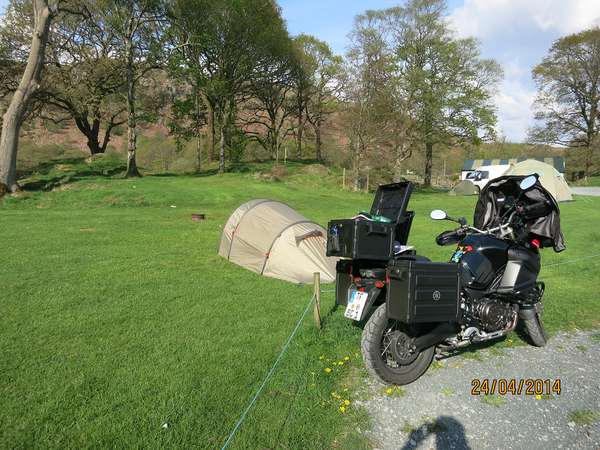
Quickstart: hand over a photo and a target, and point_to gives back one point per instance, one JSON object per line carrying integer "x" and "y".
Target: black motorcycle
{"x": 414, "y": 307}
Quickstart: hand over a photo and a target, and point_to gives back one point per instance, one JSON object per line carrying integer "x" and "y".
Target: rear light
{"x": 362, "y": 289}
{"x": 379, "y": 284}
{"x": 387, "y": 277}
{"x": 536, "y": 243}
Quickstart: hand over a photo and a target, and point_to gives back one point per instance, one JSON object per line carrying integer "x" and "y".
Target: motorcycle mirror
{"x": 528, "y": 182}
{"x": 438, "y": 214}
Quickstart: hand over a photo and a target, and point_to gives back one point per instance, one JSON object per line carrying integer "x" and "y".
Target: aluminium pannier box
{"x": 423, "y": 291}
{"x": 359, "y": 238}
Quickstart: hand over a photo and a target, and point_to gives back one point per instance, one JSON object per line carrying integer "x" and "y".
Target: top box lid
{"x": 391, "y": 200}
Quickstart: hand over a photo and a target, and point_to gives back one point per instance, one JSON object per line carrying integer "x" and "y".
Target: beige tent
{"x": 270, "y": 238}
{"x": 465, "y": 187}
{"x": 550, "y": 178}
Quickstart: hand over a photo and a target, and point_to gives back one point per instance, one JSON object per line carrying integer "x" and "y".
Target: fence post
{"x": 344, "y": 178}
{"x": 317, "y": 291}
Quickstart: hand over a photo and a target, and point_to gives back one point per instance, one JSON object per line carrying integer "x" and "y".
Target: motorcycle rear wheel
{"x": 379, "y": 334}
{"x": 535, "y": 330}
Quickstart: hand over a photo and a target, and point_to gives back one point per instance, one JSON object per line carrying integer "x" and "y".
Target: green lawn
{"x": 117, "y": 315}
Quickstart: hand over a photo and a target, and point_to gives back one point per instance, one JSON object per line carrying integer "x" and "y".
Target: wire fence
{"x": 267, "y": 377}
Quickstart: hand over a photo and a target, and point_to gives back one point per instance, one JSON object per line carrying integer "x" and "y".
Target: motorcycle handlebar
{"x": 534, "y": 210}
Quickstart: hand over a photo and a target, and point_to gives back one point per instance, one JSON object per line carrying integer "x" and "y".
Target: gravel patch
{"x": 439, "y": 412}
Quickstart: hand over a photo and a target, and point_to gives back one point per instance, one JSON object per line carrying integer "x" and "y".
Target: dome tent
{"x": 550, "y": 178}
{"x": 465, "y": 187}
{"x": 272, "y": 239}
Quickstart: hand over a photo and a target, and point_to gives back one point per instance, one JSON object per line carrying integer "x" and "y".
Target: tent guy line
{"x": 267, "y": 377}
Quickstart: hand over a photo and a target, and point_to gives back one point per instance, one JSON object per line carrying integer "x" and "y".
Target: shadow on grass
{"x": 51, "y": 174}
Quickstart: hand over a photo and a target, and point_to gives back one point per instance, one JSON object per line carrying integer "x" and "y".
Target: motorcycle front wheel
{"x": 385, "y": 349}
{"x": 535, "y": 330}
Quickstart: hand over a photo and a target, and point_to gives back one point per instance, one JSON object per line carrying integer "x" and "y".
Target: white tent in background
{"x": 272, "y": 239}
{"x": 550, "y": 178}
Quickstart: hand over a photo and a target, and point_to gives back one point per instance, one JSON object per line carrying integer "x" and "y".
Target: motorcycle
{"x": 413, "y": 308}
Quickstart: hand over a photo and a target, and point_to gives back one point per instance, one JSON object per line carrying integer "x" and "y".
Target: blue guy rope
{"x": 265, "y": 381}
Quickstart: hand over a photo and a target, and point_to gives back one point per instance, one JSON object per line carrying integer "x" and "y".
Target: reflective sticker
{"x": 460, "y": 252}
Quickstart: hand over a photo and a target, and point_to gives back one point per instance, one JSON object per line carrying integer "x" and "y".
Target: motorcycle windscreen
{"x": 501, "y": 193}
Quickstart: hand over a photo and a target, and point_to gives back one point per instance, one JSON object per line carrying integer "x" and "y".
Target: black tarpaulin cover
{"x": 499, "y": 194}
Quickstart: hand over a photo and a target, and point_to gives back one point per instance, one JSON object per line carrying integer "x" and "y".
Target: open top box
{"x": 360, "y": 238}
{"x": 391, "y": 200}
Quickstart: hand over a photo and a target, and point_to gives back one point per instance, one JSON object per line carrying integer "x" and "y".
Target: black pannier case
{"x": 343, "y": 280}
{"x": 365, "y": 239}
{"x": 423, "y": 291}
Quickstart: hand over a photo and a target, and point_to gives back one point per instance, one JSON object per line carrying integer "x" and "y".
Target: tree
{"x": 318, "y": 86}
{"x": 138, "y": 28}
{"x": 568, "y": 98}
{"x": 449, "y": 84}
{"x": 43, "y": 13}
{"x": 85, "y": 81}
{"x": 222, "y": 44}
{"x": 302, "y": 86}
{"x": 188, "y": 117}
{"x": 266, "y": 115}
{"x": 375, "y": 98}
{"x": 82, "y": 79}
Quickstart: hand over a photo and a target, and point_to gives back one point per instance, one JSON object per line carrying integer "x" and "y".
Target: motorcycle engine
{"x": 492, "y": 314}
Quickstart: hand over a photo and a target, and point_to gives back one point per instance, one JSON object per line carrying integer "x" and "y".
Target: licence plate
{"x": 356, "y": 304}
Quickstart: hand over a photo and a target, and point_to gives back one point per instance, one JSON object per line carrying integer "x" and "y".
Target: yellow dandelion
{"x": 346, "y": 402}
{"x": 538, "y": 397}
{"x": 322, "y": 357}
{"x": 342, "y": 409}
{"x": 340, "y": 363}
{"x": 346, "y": 358}
{"x": 389, "y": 391}
{"x": 328, "y": 369}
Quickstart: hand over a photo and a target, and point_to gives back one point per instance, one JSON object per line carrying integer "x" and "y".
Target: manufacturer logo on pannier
{"x": 436, "y": 295}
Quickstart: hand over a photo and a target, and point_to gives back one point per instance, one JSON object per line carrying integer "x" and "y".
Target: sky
{"x": 516, "y": 33}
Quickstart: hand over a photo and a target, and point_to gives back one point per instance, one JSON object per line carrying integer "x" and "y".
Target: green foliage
{"x": 317, "y": 84}
{"x": 224, "y": 49}
{"x": 83, "y": 79}
{"x": 568, "y": 97}
{"x": 450, "y": 85}
{"x": 411, "y": 84}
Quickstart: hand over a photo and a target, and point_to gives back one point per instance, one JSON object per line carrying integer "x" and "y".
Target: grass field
{"x": 117, "y": 315}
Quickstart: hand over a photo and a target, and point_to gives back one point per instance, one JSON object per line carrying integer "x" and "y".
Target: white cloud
{"x": 513, "y": 101}
{"x": 518, "y": 33}
{"x": 482, "y": 18}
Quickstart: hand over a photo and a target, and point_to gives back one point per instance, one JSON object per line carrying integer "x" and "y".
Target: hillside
{"x": 160, "y": 153}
